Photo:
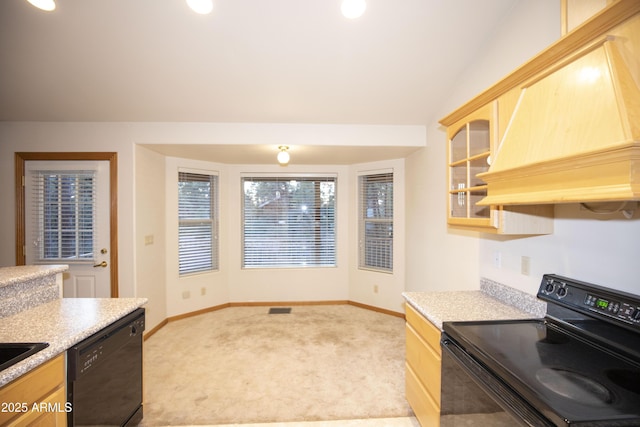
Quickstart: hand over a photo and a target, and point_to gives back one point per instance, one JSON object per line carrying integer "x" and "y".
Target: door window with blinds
{"x": 198, "y": 222}
{"x": 289, "y": 222}
{"x": 63, "y": 216}
{"x": 375, "y": 193}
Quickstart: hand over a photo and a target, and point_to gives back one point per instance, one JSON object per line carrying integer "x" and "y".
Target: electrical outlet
{"x": 203, "y": 291}
{"x": 525, "y": 265}
{"x": 497, "y": 259}
{"x": 375, "y": 289}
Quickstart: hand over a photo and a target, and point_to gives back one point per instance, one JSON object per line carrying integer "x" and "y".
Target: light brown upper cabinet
{"x": 471, "y": 142}
{"x": 562, "y": 128}
{"x": 575, "y": 12}
{"x": 469, "y": 154}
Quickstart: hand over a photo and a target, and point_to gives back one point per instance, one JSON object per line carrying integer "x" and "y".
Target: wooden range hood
{"x": 574, "y": 133}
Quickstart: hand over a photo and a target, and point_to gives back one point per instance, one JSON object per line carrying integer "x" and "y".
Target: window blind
{"x": 64, "y": 215}
{"x": 197, "y": 229}
{"x": 376, "y": 221}
{"x": 289, "y": 222}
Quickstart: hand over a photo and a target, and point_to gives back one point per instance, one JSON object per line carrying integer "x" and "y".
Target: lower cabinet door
{"x": 425, "y": 409}
{"x": 52, "y": 413}
{"x": 38, "y": 397}
{"x": 424, "y": 362}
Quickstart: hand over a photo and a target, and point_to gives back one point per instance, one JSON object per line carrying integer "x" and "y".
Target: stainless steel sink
{"x": 12, "y": 353}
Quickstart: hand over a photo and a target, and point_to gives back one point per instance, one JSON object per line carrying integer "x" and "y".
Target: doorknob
{"x": 102, "y": 264}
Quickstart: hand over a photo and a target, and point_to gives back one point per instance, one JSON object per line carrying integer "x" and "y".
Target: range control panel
{"x": 591, "y": 299}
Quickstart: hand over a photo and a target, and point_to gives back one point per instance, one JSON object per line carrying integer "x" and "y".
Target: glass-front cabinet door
{"x": 471, "y": 143}
{"x": 469, "y": 153}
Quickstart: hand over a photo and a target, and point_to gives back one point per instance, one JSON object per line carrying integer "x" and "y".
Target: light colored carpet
{"x": 370, "y": 422}
{"x": 242, "y": 365}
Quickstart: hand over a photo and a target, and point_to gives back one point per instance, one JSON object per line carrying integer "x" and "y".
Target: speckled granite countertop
{"x": 439, "y": 307}
{"x": 492, "y": 302}
{"x": 23, "y": 273}
{"x": 61, "y": 323}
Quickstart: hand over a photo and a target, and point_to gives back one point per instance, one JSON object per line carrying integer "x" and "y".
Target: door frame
{"x": 112, "y": 158}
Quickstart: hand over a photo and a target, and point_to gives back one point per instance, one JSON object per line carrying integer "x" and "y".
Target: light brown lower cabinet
{"x": 423, "y": 368}
{"x": 37, "y": 398}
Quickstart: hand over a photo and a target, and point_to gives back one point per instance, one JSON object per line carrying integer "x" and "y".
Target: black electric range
{"x": 578, "y": 366}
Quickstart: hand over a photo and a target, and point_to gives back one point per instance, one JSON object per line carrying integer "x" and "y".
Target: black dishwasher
{"x": 104, "y": 375}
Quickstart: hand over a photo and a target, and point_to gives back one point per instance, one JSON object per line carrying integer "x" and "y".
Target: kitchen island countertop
{"x": 61, "y": 323}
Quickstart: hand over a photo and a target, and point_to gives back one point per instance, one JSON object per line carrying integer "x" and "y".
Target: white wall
{"x": 601, "y": 249}
{"x": 232, "y": 283}
{"x": 141, "y": 175}
{"x": 275, "y": 134}
{"x": 530, "y": 27}
{"x": 438, "y": 258}
{"x": 441, "y": 258}
{"x": 361, "y": 282}
{"x": 197, "y": 291}
{"x": 150, "y": 221}
{"x": 57, "y": 137}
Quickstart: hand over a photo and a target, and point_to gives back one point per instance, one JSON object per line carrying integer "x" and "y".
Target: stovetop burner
{"x": 580, "y": 364}
{"x": 574, "y": 386}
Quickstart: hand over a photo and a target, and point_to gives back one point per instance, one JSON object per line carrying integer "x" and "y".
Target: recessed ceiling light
{"x": 353, "y": 9}
{"x": 202, "y": 7}
{"x": 47, "y": 5}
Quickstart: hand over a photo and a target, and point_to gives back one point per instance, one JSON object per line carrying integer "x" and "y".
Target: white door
{"x": 67, "y": 222}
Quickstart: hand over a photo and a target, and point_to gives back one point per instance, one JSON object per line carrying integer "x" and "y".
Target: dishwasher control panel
{"x": 86, "y": 355}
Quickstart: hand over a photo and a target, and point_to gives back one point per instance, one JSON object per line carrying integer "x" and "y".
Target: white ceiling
{"x": 250, "y": 61}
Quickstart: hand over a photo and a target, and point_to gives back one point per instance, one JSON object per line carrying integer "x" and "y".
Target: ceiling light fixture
{"x": 283, "y": 155}
{"x": 203, "y": 7}
{"x": 353, "y": 9}
{"x": 47, "y": 5}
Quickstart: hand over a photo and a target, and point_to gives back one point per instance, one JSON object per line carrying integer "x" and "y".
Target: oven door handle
{"x": 500, "y": 392}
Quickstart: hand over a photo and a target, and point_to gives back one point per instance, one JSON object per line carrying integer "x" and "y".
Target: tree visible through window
{"x": 198, "y": 226}
{"x": 289, "y": 222}
{"x": 376, "y": 221}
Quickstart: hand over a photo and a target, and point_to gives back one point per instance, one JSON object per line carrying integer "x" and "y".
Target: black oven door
{"x": 472, "y": 395}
